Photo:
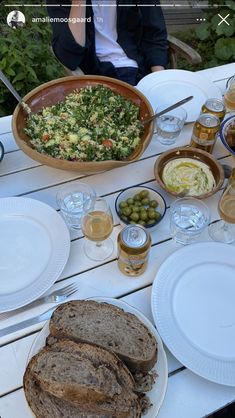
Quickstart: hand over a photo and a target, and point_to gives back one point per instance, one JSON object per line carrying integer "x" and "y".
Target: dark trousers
{"x": 127, "y": 74}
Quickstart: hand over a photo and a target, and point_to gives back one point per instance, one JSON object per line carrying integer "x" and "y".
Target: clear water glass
{"x": 188, "y": 219}
{"x": 74, "y": 201}
{"x": 169, "y": 126}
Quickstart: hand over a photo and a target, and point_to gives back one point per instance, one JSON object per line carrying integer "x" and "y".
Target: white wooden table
{"x": 188, "y": 395}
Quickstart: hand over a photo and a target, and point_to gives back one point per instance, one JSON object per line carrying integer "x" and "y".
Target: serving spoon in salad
{"x": 10, "y": 87}
{"x": 168, "y": 109}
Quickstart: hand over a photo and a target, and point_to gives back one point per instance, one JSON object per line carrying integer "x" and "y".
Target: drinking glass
{"x": 229, "y": 96}
{"x": 188, "y": 219}
{"x": 169, "y": 126}
{"x": 224, "y": 230}
{"x": 74, "y": 201}
{"x": 97, "y": 226}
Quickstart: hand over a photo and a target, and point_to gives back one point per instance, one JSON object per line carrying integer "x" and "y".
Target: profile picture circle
{"x": 16, "y": 19}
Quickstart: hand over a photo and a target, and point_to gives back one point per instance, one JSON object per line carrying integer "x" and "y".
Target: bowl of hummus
{"x": 189, "y": 170}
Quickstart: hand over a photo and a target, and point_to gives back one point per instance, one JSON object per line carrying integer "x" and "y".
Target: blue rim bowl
{"x": 131, "y": 191}
{"x": 222, "y": 133}
{"x": 1, "y": 151}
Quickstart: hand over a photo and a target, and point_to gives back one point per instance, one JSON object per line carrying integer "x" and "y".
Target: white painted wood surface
{"x": 187, "y": 395}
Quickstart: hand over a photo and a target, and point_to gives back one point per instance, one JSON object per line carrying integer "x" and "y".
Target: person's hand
{"x": 78, "y": 2}
{"x": 157, "y": 68}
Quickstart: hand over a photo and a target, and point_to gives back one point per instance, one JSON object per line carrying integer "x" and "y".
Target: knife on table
{"x": 27, "y": 323}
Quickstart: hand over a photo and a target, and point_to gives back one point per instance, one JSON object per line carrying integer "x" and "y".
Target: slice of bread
{"x": 45, "y": 405}
{"x": 82, "y": 376}
{"x": 107, "y": 326}
{"x": 99, "y": 356}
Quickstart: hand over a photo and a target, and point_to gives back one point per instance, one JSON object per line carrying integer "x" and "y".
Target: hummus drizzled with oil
{"x": 187, "y": 173}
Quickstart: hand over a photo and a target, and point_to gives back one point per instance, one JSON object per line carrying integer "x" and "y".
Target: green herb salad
{"x": 92, "y": 124}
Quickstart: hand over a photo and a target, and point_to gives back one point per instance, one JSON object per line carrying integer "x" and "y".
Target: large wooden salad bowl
{"x": 55, "y": 91}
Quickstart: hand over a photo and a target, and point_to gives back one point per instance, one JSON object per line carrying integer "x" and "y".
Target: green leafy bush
{"x": 25, "y": 55}
{"x": 221, "y": 34}
{"x": 215, "y": 43}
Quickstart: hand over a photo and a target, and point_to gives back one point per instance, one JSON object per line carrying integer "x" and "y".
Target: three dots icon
{"x": 201, "y": 19}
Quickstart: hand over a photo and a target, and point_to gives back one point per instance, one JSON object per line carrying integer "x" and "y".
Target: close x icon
{"x": 223, "y": 19}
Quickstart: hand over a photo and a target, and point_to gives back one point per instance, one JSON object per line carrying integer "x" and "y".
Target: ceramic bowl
{"x": 130, "y": 193}
{"x": 227, "y": 134}
{"x": 196, "y": 154}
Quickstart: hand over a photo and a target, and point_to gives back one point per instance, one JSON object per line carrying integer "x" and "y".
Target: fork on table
{"x": 57, "y": 296}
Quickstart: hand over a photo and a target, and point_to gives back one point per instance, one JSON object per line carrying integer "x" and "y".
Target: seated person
{"x": 110, "y": 37}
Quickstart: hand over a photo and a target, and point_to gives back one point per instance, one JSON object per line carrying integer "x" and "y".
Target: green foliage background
{"x": 25, "y": 55}
{"x": 215, "y": 43}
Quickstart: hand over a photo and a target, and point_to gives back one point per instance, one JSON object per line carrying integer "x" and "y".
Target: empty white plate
{"x": 194, "y": 310}
{"x": 34, "y": 248}
{"x": 170, "y": 86}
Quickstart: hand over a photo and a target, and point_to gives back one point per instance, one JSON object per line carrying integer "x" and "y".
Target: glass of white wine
{"x": 229, "y": 96}
{"x": 97, "y": 226}
{"x": 224, "y": 231}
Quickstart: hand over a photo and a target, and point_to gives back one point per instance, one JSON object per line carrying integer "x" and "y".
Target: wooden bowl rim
{"x": 191, "y": 150}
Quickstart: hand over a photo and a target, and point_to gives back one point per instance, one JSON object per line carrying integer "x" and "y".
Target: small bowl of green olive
{"x": 140, "y": 205}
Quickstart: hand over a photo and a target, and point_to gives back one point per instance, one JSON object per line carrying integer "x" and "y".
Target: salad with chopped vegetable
{"x": 92, "y": 124}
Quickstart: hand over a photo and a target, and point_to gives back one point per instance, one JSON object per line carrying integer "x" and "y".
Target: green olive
{"x": 130, "y": 201}
{"x": 124, "y": 218}
{"x": 136, "y": 209}
{"x": 143, "y": 223}
{"x": 134, "y": 216}
{"x": 145, "y": 201}
{"x": 151, "y": 213}
{"x": 144, "y": 193}
{"x": 153, "y": 203}
{"x": 143, "y": 215}
{"x": 137, "y": 197}
{"x": 122, "y": 204}
{"x": 127, "y": 211}
{"x": 151, "y": 222}
{"x": 157, "y": 215}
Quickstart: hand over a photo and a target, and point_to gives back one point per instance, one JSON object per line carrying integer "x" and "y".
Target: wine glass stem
{"x": 98, "y": 244}
{"x": 225, "y": 226}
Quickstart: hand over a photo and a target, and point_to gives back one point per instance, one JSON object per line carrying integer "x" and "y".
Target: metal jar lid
{"x": 216, "y": 105}
{"x": 208, "y": 120}
{"x": 134, "y": 236}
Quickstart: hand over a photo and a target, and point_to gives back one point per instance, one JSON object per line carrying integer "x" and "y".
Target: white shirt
{"x": 107, "y": 47}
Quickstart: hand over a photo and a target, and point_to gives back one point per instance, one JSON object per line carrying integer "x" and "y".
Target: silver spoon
{"x": 168, "y": 109}
{"x": 10, "y": 87}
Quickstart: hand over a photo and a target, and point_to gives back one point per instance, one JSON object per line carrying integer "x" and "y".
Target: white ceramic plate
{"x": 157, "y": 394}
{"x": 169, "y": 86}
{"x": 194, "y": 310}
{"x": 34, "y": 248}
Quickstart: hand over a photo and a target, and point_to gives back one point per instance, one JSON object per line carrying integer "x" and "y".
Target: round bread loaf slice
{"x": 61, "y": 378}
{"x": 45, "y": 405}
{"x": 74, "y": 378}
{"x": 99, "y": 356}
{"x": 107, "y": 326}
